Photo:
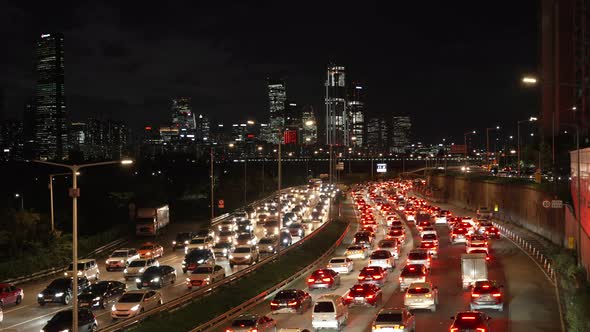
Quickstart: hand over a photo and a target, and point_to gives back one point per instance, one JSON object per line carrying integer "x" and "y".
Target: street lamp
{"x": 75, "y": 193}
{"x": 488, "y": 144}
{"x": 260, "y": 148}
{"x": 22, "y": 201}
{"x": 212, "y": 175}
{"x": 531, "y": 119}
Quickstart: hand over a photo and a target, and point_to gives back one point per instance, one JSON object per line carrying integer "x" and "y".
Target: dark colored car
{"x": 323, "y": 278}
{"x": 296, "y": 229}
{"x": 244, "y": 226}
{"x": 364, "y": 294}
{"x": 62, "y": 321}
{"x": 60, "y": 291}
{"x": 10, "y": 294}
{"x": 101, "y": 293}
{"x": 363, "y": 238}
{"x": 285, "y": 238}
{"x": 372, "y": 275}
{"x": 291, "y": 300}
{"x": 467, "y": 321}
{"x": 181, "y": 240}
{"x": 197, "y": 257}
{"x": 157, "y": 276}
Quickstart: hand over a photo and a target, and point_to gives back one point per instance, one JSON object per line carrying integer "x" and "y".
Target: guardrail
{"x": 184, "y": 300}
{"x": 49, "y": 272}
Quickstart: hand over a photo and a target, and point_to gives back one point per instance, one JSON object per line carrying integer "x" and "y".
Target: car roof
{"x": 419, "y": 285}
{"x": 247, "y": 316}
{"x": 393, "y": 310}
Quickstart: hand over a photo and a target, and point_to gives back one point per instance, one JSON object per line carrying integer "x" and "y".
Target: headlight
{"x": 65, "y": 274}
{"x": 125, "y": 271}
{"x": 122, "y": 261}
{"x": 186, "y": 242}
{"x": 188, "y": 279}
{"x": 113, "y": 308}
{"x": 96, "y": 298}
{"x": 174, "y": 243}
{"x": 249, "y": 241}
{"x": 156, "y": 279}
{"x": 79, "y": 273}
{"x": 247, "y": 256}
{"x": 39, "y": 295}
{"x": 231, "y": 256}
{"x": 60, "y": 294}
{"x": 148, "y": 254}
{"x": 137, "y": 280}
{"x": 200, "y": 261}
{"x": 141, "y": 270}
{"x": 135, "y": 307}
{"x": 66, "y": 330}
{"x": 224, "y": 250}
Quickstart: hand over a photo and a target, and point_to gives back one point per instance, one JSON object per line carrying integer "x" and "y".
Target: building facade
{"x": 377, "y": 139}
{"x": 356, "y": 114}
{"x": 336, "y": 117}
{"x": 277, "y": 98}
{"x": 401, "y": 127}
{"x": 51, "y": 133}
{"x": 182, "y": 115}
{"x": 309, "y": 125}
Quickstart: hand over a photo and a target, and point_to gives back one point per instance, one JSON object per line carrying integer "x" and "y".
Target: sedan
{"x": 382, "y": 258}
{"x": 156, "y": 276}
{"x": 356, "y": 252}
{"x": 100, "y": 294}
{"x": 10, "y": 294}
{"x": 62, "y": 321}
{"x": 394, "y": 319}
{"x": 252, "y": 322}
{"x": 364, "y": 294}
{"x": 291, "y": 300}
{"x": 341, "y": 264}
{"x": 372, "y": 275}
{"x": 323, "y": 278}
{"x": 296, "y": 230}
{"x": 470, "y": 321}
{"x": 135, "y": 302}
{"x": 205, "y": 274}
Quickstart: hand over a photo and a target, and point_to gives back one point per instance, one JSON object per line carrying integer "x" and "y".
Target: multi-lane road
{"x": 530, "y": 303}
{"x": 29, "y": 316}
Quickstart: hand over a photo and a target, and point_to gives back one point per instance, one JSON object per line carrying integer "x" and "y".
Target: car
{"x": 486, "y": 295}
{"x": 150, "y": 250}
{"x": 440, "y": 218}
{"x": 291, "y": 300}
{"x": 271, "y": 227}
{"x": 156, "y": 277}
{"x": 429, "y": 247}
{"x": 227, "y": 225}
{"x": 372, "y": 275}
{"x": 244, "y": 255}
{"x": 246, "y": 239}
{"x": 203, "y": 232}
{"x": 369, "y": 229}
{"x": 465, "y": 321}
{"x": 329, "y": 311}
{"x": 364, "y": 294}
{"x": 421, "y": 295}
{"x": 432, "y": 238}
{"x": 490, "y": 231}
{"x": 427, "y": 230}
{"x": 290, "y": 218}
{"x": 323, "y": 278}
{"x": 134, "y": 302}
{"x": 62, "y": 321}
{"x": 423, "y": 223}
{"x": 296, "y": 230}
{"x": 391, "y": 245}
{"x": 196, "y": 258}
{"x": 205, "y": 274}
{"x": 412, "y": 273}
{"x": 202, "y": 242}
{"x": 484, "y": 213}
{"x": 222, "y": 249}
{"x": 397, "y": 233}
{"x": 225, "y": 237}
{"x": 99, "y": 295}
{"x": 453, "y": 221}
{"x": 341, "y": 264}
{"x": 458, "y": 235}
{"x": 390, "y": 219}
{"x": 244, "y": 226}
{"x": 268, "y": 245}
{"x": 356, "y": 252}
{"x": 10, "y": 294}
{"x": 394, "y": 319}
{"x": 363, "y": 238}
{"x": 419, "y": 256}
{"x": 382, "y": 258}
{"x": 120, "y": 258}
{"x": 60, "y": 291}
{"x": 252, "y": 322}
{"x": 241, "y": 215}
{"x": 86, "y": 268}
{"x": 182, "y": 239}
{"x": 138, "y": 266}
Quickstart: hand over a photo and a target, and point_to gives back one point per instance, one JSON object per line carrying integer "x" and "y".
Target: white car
{"x": 391, "y": 245}
{"x": 421, "y": 295}
{"x": 203, "y": 242}
{"x": 341, "y": 264}
{"x": 120, "y": 258}
{"x": 382, "y": 258}
{"x": 244, "y": 255}
{"x": 135, "y": 302}
{"x": 440, "y": 219}
{"x": 419, "y": 256}
{"x": 356, "y": 252}
{"x": 204, "y": 275}
{"x": 427, "y": 230}
{"x": 136, "y": 268}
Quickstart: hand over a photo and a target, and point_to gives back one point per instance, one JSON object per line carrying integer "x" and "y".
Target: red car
{"x": 423, "y": 223}
{"x": 10, "y": 294}
{"x": 364, "y": 294}
{"x": 323, "y": 278}
{"x": 372, "y": 275}
{"x": 470, "y": 321}
{"x": 492, "y": 232}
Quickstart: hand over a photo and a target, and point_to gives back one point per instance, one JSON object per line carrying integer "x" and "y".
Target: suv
{"x": 138, "y": 266}
{"x": 268, "y": 245}
{"x": 86, "y": 268}
{"x": 197, "y": 257}
{"x": 421, "y": 295}
{"x": 205, "y": 242}
{"x": 62, "y": 321}
{"x": 181, "y": 240}
{"x": 244, "y": 255}
{"x": 470, "y": 321}
{"x": 412, "y": 273}
{"x": 120, "y": 258}
{"x": 486, "y": 295}
{"x": 60, "y": 290}
{"x": 400, "y": 317}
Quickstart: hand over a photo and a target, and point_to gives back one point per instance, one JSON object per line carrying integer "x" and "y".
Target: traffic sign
{"x": 340, "y": 166}
{"x": 381, "y": 168}
{"x": 546, "y": 204}
{"x": 221, "y": 204}
{"x": 74, "y": 192}
{"x": 557, "y": 204}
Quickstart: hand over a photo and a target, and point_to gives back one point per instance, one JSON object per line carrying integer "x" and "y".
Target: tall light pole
{"x": 260, "y": 148}
{"x": 75, "y": 193}
{"x": 473, "y": 132}
{"x": 50, "y": 185}
{"x": 22, "y": 200}
{"x": 488, "y": 144}
{"x": 279, "y": 171}
{"x": 531, "y": 119}
{"x": 212, "y": 175}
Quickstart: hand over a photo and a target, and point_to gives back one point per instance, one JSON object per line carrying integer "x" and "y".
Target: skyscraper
{"x": 356, "y": 114}
{"x": 336, "y": 117}
{"x": 377, "y": 139}
{"x": 51, "y": 134}
{"x": 182, "y": 115}
{"x": 401, "y": 126}
{"x": 277, "y": 97}
{"x": 309, "y": 125}
{"x": 203, "y": 131}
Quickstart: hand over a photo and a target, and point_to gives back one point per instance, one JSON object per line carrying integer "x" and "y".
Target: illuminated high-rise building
{"x": 182, "y": 115}
{"x": 356, "y": 115}
{"x": 51, "y": 134}
{"x": 277, "y": 98}
{"x": 336, "y": 117}
{"x": 401, "y": 126}
{"x": 203, "y": 130}
{"x": 377, "y": 139}
{"x": 309, "y": 125}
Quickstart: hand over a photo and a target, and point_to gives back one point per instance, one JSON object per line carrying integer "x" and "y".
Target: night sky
{"x": 452, "y": 66}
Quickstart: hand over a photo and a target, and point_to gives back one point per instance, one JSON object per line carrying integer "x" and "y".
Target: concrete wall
{"x": 516, "y": 204}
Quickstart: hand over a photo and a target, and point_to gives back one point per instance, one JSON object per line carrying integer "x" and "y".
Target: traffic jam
{"x": 390, "y": 259}
{"x": 135, "y": 280}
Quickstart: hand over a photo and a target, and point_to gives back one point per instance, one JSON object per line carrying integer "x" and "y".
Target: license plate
{"x": 359, "y": 298}
{"x": 145, "y": 283}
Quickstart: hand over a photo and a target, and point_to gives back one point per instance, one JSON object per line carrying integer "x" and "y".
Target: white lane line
{"x": 36, "y": 318}
{"x": 17, "y": 308}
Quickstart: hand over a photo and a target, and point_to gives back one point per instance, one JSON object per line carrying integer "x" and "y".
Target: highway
{"x": 530, "y": 303}
{"x": 30, "y": 316}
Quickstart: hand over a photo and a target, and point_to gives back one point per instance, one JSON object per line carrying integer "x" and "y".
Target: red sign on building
{"x": 290, "y": 136}
{"x": 458, "y": 149}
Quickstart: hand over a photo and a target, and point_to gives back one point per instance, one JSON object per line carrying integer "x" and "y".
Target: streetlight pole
{"x": 279, "y": 166}
{"x": 465, "y": 142}
{"x": 212, "y": 175}
{"x": 245, "y": 177}
{"x": 74, "y": 193}
{"x": 531, "y": 119}
{"x": 51, "y": 176}
{"x": 22, "y": 200}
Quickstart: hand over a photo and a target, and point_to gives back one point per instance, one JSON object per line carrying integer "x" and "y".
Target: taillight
{"x": 496, "y": 295}
{"x": 454, "y": 329}
{"x": 408, "y": 295}
{"x": 474, "y": 295}
{"x": 480, "y": 329}
{"x": 361, "y": 277}
{"x": 326, "y": 279}
{"x": 292, "y": 303}
{"x": 348, "y": 297}
{"x": 428, "y": 295}
{"x": 310, "y": 280}
{"x": 274, "y": 304}
{"x": 370, "y": 296}
{"x": 377, "y": 277}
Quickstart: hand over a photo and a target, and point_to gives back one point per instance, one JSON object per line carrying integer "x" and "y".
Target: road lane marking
{"x": 36, "y": 318}
{"x": 17, "y": 308}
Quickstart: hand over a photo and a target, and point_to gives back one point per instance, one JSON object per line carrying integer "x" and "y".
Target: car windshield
{"x": 80, "y": 266}
{"x": 389, "y": 317}
{"x": 152, "y": 270}
{"x": 244, "y": 237}
{"x": 337, "y": 260}
{"x": 380, "y": 254}
{"x": 243, "y": 322}
{"x": 119, "y": 254}
{"x": 267, "y": 241}
{"x": 417, "y": 256}
{"x": 242, "y": 250}
{"x": 100, "y": 287}
{"x": 138, "y": 263}
{"x": 323, "y": 306}
{"x": 429, "y": 237}
{"x": 387, "y": 245}
{"x": 226, "y": 233}
{"x": 418, "y": 290}
{"x": 146, "y": 247}
{"x": 295, "y": 226}
{"x": 222, "y": 245}
{"x": 197, "y": 241}
{"x": 355, "y": 248}
{"x": 203, "y": 270}
{"x": 60, "y": 283}
{"x": 131, "y": 298}
{"x": 62, "y": 316}
{"x": 286, "y": 294}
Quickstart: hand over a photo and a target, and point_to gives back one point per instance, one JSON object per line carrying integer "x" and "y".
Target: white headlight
{"x": 135, "y": 307}
{"x": 156, "y": 279}
{"x": 60, "y": 294}
{"x": 79, "y": 273}
{"x": 173, "y": 242}
{"x": 96, "y": 298}
{"x": 231, "y": 256}
{"x": 137, "y": 280}
{"x": 113, "y": 308}
{"x": 125, "y": 271}
{"x": 186, "y": 242}
{"x": 39, "y": 295}
{"x": 247, "y": 257}
{"x": 141, "y": 270}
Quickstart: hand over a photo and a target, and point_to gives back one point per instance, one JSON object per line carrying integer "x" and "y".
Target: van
{"x": 86, "y": 268}
{"x": 329, "y": 311}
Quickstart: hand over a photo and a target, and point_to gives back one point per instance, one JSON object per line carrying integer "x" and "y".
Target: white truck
{"x": 150, "y": 221}
{"x": 484, "y": 213}
{"x": 473, "y": 268}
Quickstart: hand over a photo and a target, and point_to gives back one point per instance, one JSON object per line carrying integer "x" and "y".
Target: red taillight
{"x": 253, "y": 330}
{"x": 370, "y": 296}
{"x": 487, "y": 258}
{"x": 480, "y": 329}
{"x": 310, "y": 280}
{"x": 474, "y": 295}
{"x": 361, "y": 277}
{"x": 292, "y": 303}
{"x": 327, "y": 279}
{"x": 274, "y": 304}
{"x": 468, "y": 317}
{"x": 348, "y": 297}
{"x": 496, "y": 295}
{"x": 454, "y": 329}
{"x": 229, "y": 330}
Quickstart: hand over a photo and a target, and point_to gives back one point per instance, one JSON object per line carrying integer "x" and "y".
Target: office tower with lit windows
{"x": 336, "y": 116}
{"x": 309, "y": 125}
{"x": 203, "y": 130}
{"x": 277, "y": 98}
{"x": 356, "y": 115}
{"x": 377, "y": 139}
{"x": 51, "y": 134}
{"x": 401, "y": 126}
{"x": 182, "y": 115}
